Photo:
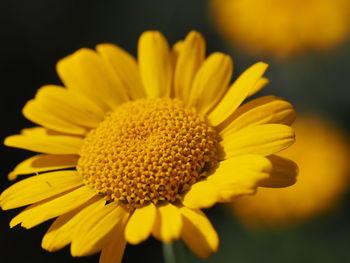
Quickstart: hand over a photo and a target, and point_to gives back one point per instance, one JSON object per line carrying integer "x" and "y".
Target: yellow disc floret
{"x": 148, "y": 150}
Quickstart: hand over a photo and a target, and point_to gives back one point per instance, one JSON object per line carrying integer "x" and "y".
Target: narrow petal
{"x": 60, "y": 232}
{"x": 268, "y": 109}
{"x": 175, "y": 51}
{"x": 41, "y": 140}
{"x": 140, "y": 224}
{"x": 60, "y": 109}
{"x": 168, "y": 225}
{"x": 190, "y": 58}
{"x": 174, "y": 54}
{"x": 36, "y": 113}
{"x": 125, "y": 67}
{"x": 263, "y": 139}
{"x": 239, "y": 176}
{"x": 229, "y": 193}
{"x": 259, "y": 86}
{"x": 237, "y": 93}
{"x": 231, "y": 171}
{"x": 232, "y": 178}
{"x": 155, "y": 64}
{"x": 43, "y": 162}
{"x": 96, "y": 231}
{"x": 201, "y": 195}
{"x": 211, "y": 82}
{"x": 47, "y": 209}
{"x": 284, "y": 172}
{"x": 198, "y": 233}
{"x": 113, "y": 252}
{"x": 38, "y": 188}
{"x": 87, "y": 73}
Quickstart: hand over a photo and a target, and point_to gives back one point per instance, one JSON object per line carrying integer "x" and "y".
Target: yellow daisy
{"x": 322, "y": 153}
{"x": 152, "y": 142}
{"x": 282, "y": 28}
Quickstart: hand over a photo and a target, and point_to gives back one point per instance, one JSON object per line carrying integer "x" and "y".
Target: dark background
{"x": 36, "y": 34}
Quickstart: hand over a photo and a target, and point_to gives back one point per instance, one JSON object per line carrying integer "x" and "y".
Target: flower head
{"x": 322, "y": 153}
{"x": 282, "y": 28}
{"x": 149, "y": 143}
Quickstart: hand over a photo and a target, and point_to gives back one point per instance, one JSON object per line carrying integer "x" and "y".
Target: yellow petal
{"x": 190, "y": 57}
{"x": 113, "y": 252}
{"x": 60, "y": 232}
{"x": 258, "y": 86}
{"x": 96, "y": 231}
{"x": 229, "y": 194}
{"x": 233, "y": 177}
{"x": 140, "y": 224}
{"x": 211, "y": 82}
{"x": 41, "y": 140}
{"x": 283, "y": 174}
{"x": 43, "y": 162}
{"x": 240, "y": 175}
{"x": 168, "y": 224}
{"x": 237, "y": 93}
{"x": 268, "y": 109}
{"x": 198, "y": 233}
{"x": 38, "y": 188}
{"x": 125, "y": 67}
{"x": 54, "y": 105}
{"x": 175, "y": 51}
{"x": 36, "y": 113}
{"x": 87, "y": 73}
{"x": 155, "y": 64}
{"x": 263, "y": 139}
{"x": 56, "y": 206}
{"x": 231, "y": 171}
{"x": 201, "y": 195}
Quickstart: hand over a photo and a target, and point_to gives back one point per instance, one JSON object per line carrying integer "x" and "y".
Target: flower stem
{"x": 168, "y": 252}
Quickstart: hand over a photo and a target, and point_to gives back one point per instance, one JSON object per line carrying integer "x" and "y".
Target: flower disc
{"x": 148, "y": 150}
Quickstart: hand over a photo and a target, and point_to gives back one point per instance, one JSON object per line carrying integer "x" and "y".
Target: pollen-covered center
{"x": 148, "y": 150}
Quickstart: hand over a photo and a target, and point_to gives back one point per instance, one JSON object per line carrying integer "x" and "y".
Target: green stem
{"x": 168, "y": 252}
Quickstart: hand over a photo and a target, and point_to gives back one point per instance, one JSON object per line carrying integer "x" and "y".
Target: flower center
{"x": 148, "y": 150}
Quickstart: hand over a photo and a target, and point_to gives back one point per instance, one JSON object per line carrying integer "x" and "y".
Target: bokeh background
{"x": 36, "y": 34}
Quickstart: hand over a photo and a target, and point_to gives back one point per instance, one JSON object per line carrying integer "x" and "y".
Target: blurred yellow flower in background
{"x": 322, "y": 153}
{"x": 149, "y": 142}
{"x": 282, "y": 28}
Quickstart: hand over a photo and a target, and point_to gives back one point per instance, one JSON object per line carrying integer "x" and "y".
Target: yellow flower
{"x": 322, "y": 153}
{"x": 282, "y": 28}
{"x": 152, "y": 142}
